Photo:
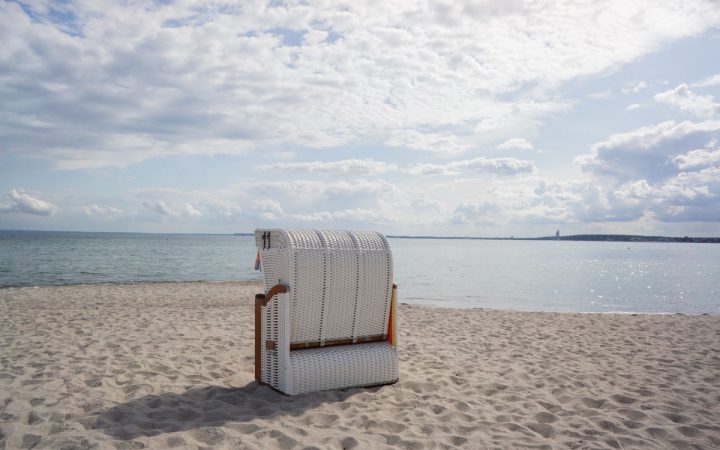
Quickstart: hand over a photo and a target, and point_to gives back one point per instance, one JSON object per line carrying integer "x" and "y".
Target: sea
{"x": 561, "y": 276}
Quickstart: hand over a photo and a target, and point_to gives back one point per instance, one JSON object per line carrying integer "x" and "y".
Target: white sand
{"x": 171, "y": 365}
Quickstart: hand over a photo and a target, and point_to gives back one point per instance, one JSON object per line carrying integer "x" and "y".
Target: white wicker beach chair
{"x": 327, "y": 319}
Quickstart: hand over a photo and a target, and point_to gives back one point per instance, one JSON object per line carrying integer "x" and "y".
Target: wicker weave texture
{"x": 339, "y": 281}
{"x": 342, "y": 366}
{"x": 339, "y": 287}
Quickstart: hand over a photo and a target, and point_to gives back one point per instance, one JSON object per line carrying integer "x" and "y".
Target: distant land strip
{"x": 583, "y": 237}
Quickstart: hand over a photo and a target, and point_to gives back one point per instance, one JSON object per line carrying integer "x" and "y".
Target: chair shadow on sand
{"x": 210, "y": 406}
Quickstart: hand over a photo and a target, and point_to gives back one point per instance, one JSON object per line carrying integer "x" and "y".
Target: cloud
{"x": 647, "y": 152}
{"x": 22, "y": 202}
{"x": 345, "y": 215}
{"x": 431, "y": 169}
{"x": 551, "y": 202}
{"x": 632, "y": 107}
{"x": 320, "y": 216}
{"x": 688, "y": 196}
{"x": 702, "y": 106}
{"x": 475, "y": 213}
{"x": 267, "y": 209}
{"x": 89, "y": 85}
{"x": 634, "y": 88}
{"x": 491, "y": 166}
{"x": 102, "y": 211}
{"x": 346, "y": 166}
{"x": 427, "y": 142}
{"x": 426, "y": 205}
{"x": 496, "y": 166}
{"x": 713, "y": 80}
{"x": 660, "y": 171}
{"x": 600, "y": 94}
{"x": 697, "y": 158}
{"x": 158, "y": 207}
{"x": 191, "y": 211}
{"x": 516, "y": 143}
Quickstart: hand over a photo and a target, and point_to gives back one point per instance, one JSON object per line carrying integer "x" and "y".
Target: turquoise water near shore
{"x": 520, "y": 275}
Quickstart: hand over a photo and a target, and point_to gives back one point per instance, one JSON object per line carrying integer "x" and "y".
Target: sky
{"x": 478, "y": 118}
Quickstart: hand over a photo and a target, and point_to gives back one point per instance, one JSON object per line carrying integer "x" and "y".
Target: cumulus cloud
{"x": 90, "y": 84}
{"x": 661, "y": 171}
{"x": 702, "y": 106}
{"x": 346, "y": 166}
{"x": 647, "y": 152}
{"x": 22, "y": 202}
{"x": 516, "y": 143}
{"x": 687, "y": 196}
{"x": 632, "y": 107}
{"x": 699, "y": 158}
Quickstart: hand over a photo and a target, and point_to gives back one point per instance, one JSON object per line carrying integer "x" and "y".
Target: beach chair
{"x": 327, "y": 319}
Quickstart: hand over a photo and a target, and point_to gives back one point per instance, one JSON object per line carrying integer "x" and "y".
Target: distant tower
{"x": 557, "y": 235}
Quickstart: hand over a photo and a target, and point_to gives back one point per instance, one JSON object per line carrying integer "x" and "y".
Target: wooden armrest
{"x": 260, "y": 301}
{"x": 277, "y": 289}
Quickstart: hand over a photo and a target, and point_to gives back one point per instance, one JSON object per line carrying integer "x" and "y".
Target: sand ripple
{"x": 170, "y": 366}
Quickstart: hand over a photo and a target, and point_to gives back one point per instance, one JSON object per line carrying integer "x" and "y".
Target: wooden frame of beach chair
{"x": 328, "y": 318}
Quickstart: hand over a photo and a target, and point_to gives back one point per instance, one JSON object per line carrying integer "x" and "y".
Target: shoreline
{"x": 171, "y": 365}
{"x": 258, "y": 285}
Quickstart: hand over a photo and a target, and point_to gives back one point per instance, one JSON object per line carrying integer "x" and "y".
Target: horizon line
{"x": 392, "y": 236}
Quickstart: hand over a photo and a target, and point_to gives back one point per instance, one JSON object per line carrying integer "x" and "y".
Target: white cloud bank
{"x": 114, "y": 84}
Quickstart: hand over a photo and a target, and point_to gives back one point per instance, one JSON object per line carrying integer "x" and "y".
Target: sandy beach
{"x": 170, "y": 365}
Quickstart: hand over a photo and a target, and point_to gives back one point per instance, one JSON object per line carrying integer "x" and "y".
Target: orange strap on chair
{"x": 391, "y": 322}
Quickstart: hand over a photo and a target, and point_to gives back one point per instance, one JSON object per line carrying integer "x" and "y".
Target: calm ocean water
{"x": 522, "y": 275}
